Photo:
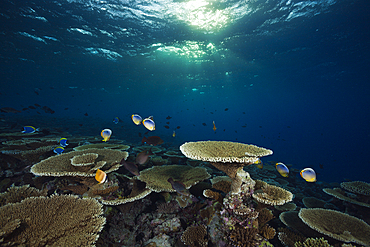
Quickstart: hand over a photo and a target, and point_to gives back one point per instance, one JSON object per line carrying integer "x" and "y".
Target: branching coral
{"x": 313, "y": 242}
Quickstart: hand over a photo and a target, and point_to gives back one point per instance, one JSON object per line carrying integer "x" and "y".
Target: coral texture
{"x": 337, "y": 225}
{"x": 272, "y": 195}
{"x": 18, "y": 193}
{"x": 54, "y": 221}
{"x": 195, "y": 236}
{"x": 60, "y": 165}
{"x": 156, "y": 177}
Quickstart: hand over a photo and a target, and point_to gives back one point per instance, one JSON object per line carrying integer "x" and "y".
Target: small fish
{"x": 63, "y": 142}
{"x": 226, "y": 109}
{"x": 167, "y": 127}
{"x": 179, "y": 187}
{"x": 9, "y": 110}
{"x": 282, "y": 169}
{"x": 58, "y": 150}
{"x": 86, "y": 114}
{"x": 152, "y": 140}
{"x": 308, "y": 174}
{"x": 321, "y": 166}
{"x": 149, "y": 123}
{"x": 204, "y": 124}
{"x": 178, "y": 127}
{"x": 37, "y": 105}
{"x": 136, "y": 119}
{"x": 259, "y": 163}
{"x": 130, "y": 166}
{"x": 116, "y": 120}
{"x": 174, "y": 134}
{"x": 106, "y": 133}
{"x": 168, "y": 117}
{"x": 29, "y": 129}
{"x": 101, "y": 176}
{"x": 48, "y": 110}
{"x": 143, "y": 156}
{"x": 214, "y": 126}
{"x": 32, "y": 107}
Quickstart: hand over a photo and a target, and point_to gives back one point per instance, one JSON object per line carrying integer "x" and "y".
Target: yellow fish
{"x": 173, "y": 134}
{"x": 106, "y": 133}
{"x": 282, "y": 169}
{"x": 149, "y": 123}
{"x": 308, "y": 174}
{"x": 259, "y": 164}
{"x": 100, "y": 176}
{"x": 214, "y": 126}
{"x": 136, "y": 119}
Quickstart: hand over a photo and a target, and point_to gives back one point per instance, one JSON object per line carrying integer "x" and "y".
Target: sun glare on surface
{"x": 203, "y": 14}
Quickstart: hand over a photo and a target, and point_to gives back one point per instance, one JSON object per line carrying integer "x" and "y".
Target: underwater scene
{"x": 220, "y": 123}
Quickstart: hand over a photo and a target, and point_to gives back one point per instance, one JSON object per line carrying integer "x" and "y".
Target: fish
{"x": 149, "y": 123}
{"x": 168, "y": 117}
{"x": 321, "y": 166}
{"x": 32, "y": 107}
{"x": 178, "y": 127}
{"x": 179, "y": 187}
{"x": 86, "y": 114}
{"x": 9, "y": 110}
{"x": 58, "y": 150}
{"x": 130, "y": 166}
{"x": 106, "y": 133}
{"x": 48, "y": 110}
{"x": 226, "y": 109}
{"x": 204, "y": 124}
{"x": 174, "y": 134}
{"x": 308, "y": 174}
{"x": 152, "y": 140}
{"x": 214, "y": 126}
{"x": 37, "y": 105}
{"x": 143, "y": 156}
{"x": 259, "y": 163}
{"x": 63, "y": 142}
{"x": 29, "y": 129}
{"x": 101, "y": 176}
{"x": 282, "y": 169}
{"x": 167, "y": 127}
{"x": 116, "y": 120}
{"x": 136, "y": 119}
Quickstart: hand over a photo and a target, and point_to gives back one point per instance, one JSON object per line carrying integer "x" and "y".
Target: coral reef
{"x": 59, "y": 220}
{"x": 195, "y": 236}
{"x": 337, "y": 225}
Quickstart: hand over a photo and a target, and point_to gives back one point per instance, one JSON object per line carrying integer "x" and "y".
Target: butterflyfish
{"x": 174, "y": 134}
{"x": 63, "y": 142}
{"x": 308, "y": 174}
{"x": 214, "y": 126}
{"x": 282, "y": 169}
{"x": 136, "y": 119}
{"x": 58, "y": 150}
{"x": 179, "y": 187}
{"x": 106, "y": 133}
{"x": 149, "y": 123}
{"x": 116, "y": 120}
{"x": 100, "y": 176}
{"x": 29, "y": 129}
{"x": 259, "y": 164}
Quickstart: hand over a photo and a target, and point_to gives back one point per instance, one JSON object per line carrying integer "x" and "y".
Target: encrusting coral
{"x": 59, "y": 220}
{"x": 60, "y": 165}
{"x": 195, "y": 236}
{"x": 156, "y": 178}
{"x": 337, "y": 225}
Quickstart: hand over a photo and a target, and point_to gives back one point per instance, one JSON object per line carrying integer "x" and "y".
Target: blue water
{"x": 291, "y": 76}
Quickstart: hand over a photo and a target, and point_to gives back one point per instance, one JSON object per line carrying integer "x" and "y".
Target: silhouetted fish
{"x": 204, "y": 124}
{"x": 178, "y": 127}
{"x": 32, "y": 107}
{"x": 143, "y": 156}
{"x": 167, "y": 127}
{"x": 48, "y": 110}
{"x": 168, "y": 117}
{"x": 86, "y": 114}
{"x": 179, "y": 187}
{"x": 130, "y": 166}
{"x": 37, "y": 105}
{"x": 9, "y": 110}
{"x": 226, "y": 109}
